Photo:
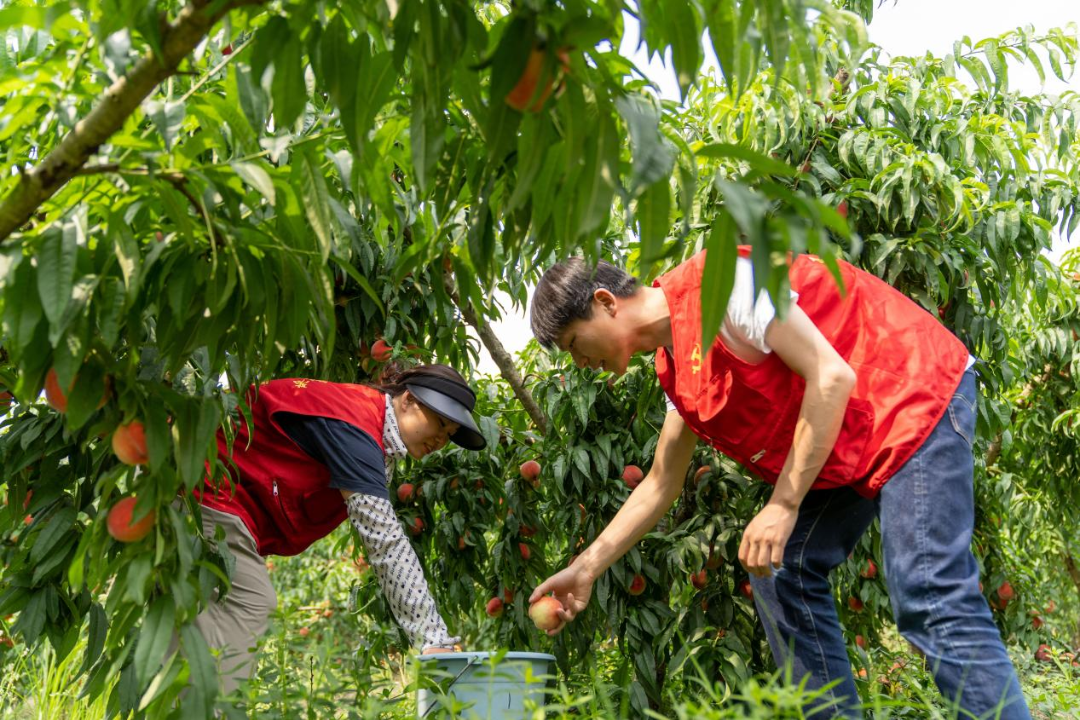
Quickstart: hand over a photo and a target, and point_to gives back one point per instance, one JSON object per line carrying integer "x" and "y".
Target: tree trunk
{"x": 502, "y": 359}
{"x": 1074, "y": 572}
{"x": 117, "y": 104}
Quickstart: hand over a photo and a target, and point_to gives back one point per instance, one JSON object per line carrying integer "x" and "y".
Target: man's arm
{"x": 640, "y": 514}
{"x": 649, "y": 502}
{"x": 829, "y": 382}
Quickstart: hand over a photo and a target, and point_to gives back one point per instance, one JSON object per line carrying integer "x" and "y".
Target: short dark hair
{"x": 565, "y": 293}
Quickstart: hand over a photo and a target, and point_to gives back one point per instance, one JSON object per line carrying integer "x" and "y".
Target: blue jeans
{"x": 927, "y": 511}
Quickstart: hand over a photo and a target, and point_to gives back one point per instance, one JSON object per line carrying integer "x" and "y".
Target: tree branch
{"x": 119, "y": 102}
{"x": 502, "y": 358}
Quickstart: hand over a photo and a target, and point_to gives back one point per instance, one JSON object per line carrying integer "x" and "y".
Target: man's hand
{"x": 572, "y": 588}
{"x": 766, "y": 537}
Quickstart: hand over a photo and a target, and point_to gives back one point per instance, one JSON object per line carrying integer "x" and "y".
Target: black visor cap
{"x": 455, "y": 402}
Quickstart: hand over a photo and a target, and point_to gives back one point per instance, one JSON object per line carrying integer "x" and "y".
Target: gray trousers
{"x": 234, "y": 625}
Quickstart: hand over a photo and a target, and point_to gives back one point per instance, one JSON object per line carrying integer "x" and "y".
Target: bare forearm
{"x": 820, "y": 419}
{"x": 642, "y": 511}
{"x": 648, "y": 503}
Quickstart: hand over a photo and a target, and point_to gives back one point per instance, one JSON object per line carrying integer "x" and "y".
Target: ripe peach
{"x": 746, "y": 589}
{"x": 526, "y": 553}
{"x": 525, "y": 89}
{"x": 870, "y": 571}
{"x": 545, "y": 613}
{"x": 637, "y": 585}
{"x": 530, "y": 470}
{"x": 699, "y": 579}
{"x": 1006, "y": 593}
{"x": 494, "y": 607}
{"x": 58, "y": 398}
{"x": 632, "y": 476}
{"x": 121, "y": 527}
{"x": 129, "y": 444}
{"x": 701, "y": 473}
{"x": 855, "y": 604}
{"x": 381, "y": 350}
{"x": 405, "y": 492}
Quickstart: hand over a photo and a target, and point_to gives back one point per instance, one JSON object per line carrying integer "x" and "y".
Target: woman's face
{"x": 423, "y": 431}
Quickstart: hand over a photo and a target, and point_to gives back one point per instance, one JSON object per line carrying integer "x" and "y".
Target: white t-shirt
{"x": 747, "y": 318}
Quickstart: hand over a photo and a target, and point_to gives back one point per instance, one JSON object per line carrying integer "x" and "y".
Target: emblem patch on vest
{"x": 695, "y": 359}
{"x": 301, "y": 383}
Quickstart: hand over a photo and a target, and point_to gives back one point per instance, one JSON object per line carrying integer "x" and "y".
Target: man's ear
{"x": 607, "y": 300}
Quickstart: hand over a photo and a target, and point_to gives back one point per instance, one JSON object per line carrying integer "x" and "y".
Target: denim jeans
{"x": 927, "y": 511}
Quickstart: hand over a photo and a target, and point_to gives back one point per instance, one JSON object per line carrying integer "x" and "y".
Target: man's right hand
{"x": 572, "y": 588}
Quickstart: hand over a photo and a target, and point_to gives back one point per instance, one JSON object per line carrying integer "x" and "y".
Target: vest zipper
{"x": 753, "y": 460}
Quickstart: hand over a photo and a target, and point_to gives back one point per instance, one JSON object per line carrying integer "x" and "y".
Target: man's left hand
{"x": 765, "y": 538}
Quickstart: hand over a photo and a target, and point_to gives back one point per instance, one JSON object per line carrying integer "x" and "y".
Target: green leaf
{"x": 95, "y": 640}
{"x": 32, "y": 616}
{"x": 762, "y": 163}
{"x": 653, "y": 156}
{"x": 601, "y": 170}
{"x": 288, "y": 88}
{"x": 56, "y": 271}
{"x": 722, "y": 30}
{"x": 167, "y": 118}
{"x": 361, "y": 281}
{"x": 154, "y": 637}
{"x": 204, "y": 683}
{"x": 312, "y": 186}
{"x": 653, "y": 215}
{"x": 54, "y": 530}
{"x": 718, "y": 277}
{"x": 254, "y": 175}
{"x": 195, "y": 426}
{"x": 684, "y": 32}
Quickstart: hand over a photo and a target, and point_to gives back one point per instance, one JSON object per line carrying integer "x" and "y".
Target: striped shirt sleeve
{"x": 400, "y": 574}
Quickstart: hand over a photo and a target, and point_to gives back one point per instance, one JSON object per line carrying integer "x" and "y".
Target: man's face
{"x": 599, "y": 342}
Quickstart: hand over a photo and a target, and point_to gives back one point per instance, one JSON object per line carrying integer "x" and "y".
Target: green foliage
{"x": 317, "y": 178}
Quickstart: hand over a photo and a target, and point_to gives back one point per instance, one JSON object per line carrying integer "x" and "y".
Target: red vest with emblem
{"x": 281, "y": 493}
{"x": 907, "y": 367}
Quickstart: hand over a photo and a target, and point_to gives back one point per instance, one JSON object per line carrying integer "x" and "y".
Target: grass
{"x": 346, "y": 665}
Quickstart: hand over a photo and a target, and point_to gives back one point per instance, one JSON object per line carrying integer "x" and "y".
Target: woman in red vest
{"x": 854, "y": 407}
{"x": 315, "y": 454}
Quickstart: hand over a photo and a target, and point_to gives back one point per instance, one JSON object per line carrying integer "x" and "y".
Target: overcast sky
{"x": 906, "y": 27}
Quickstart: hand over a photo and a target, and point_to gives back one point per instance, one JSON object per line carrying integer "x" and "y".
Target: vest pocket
{"x": 847, "y": 456}
{"x": 730, "y": 412}
{"x": 285, "y": 510}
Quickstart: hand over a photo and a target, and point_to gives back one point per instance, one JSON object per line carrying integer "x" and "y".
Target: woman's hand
{"x": 438, "y": 650}
{"x": 572, "y": 588}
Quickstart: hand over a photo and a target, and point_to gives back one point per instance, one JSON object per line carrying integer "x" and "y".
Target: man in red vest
{"x": 854, "y": 407}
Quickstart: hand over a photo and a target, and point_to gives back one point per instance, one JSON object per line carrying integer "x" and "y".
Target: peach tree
{"x": 247, "y": 190}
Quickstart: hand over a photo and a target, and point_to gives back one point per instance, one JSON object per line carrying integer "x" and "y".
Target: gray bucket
{"x": 483, "y": 685}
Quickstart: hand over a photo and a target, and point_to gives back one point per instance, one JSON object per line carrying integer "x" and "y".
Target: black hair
{"x": 565, "y": 294}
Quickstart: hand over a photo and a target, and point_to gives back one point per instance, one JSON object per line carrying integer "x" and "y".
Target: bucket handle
{"x": 468, "y": 664}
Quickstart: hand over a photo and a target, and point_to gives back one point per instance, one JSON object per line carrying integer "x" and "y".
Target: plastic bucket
{"x": 483, "y": 685}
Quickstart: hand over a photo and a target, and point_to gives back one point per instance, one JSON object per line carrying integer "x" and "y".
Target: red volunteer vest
{"x": 281, "y": 493}
{"x": 907, "y": 367}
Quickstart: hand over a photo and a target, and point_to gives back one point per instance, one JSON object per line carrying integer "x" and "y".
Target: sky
{"x": 904, "y": 27}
